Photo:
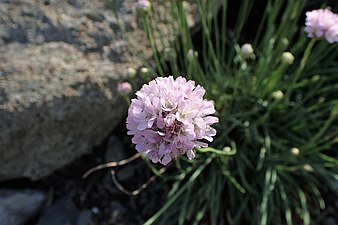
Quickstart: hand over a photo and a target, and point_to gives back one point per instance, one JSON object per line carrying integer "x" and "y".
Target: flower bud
{"x": 191, "y": 55}
{"x": 227, "y": 149}
{"x": 295, "y": 151}
{"x": 247, "y": 51}
{"x": 278, "y": 95}
{"x": 334, "y": 111}
{"x": 287, "y": 58}
{"x": 185, "y": 5}
{"x": 144, "y": 71}
{"x": 321, "y": 99}
{"x": 263, "y": 103}
{"x": 124, "y": 88}
{"x": 246, "y": 123}
{"x": 315, "y": 78}
{"x": 308, "y": 168}
{"x": 285, "y": 42}
{"x": 131, "y": 72}
{"x": 143, "y": 7}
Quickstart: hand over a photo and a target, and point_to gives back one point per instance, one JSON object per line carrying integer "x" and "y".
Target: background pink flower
{"x": 124, "y": 88}
{"x": 169, "y": 118}
{"x": 322, "y": 23}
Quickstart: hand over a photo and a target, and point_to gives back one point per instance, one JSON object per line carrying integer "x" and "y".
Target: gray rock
{"x": 84, "y": 218}
{"x": 60, "y": 62}
{"x": 62, "y": 212}
{"x": 118, "y": 211}
{"x": 35, "y": 22}
{"x": 95, "y": 210}
{"x": 59, "y": 105}
{"x": 126, "y": 172}
{"x": 16, "y": 208}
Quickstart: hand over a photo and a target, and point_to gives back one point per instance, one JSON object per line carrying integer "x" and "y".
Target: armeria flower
{"x": 169, "y": 118}
{"x": 322, "y": 23}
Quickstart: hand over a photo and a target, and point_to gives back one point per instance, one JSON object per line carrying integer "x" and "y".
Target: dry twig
{"x": 110, "y": 165}
{"x": 141, "y": 188}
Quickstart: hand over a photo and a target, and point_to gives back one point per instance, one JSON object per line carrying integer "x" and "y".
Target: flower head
{"x": 169, "y": 118}
{"x": 322, "y": 23}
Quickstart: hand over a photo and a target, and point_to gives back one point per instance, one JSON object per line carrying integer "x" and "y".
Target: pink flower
{"x": 124, "y": 88}
{"x": 169, "y": 118}
{"x": 322, "y": 23}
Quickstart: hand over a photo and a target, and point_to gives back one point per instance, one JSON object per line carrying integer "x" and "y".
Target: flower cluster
{"x": 169, "y": 118}
{"x": 322, "y": 23}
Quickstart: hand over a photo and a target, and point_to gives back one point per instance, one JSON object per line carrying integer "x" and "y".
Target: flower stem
{"x": 301, "y": 67}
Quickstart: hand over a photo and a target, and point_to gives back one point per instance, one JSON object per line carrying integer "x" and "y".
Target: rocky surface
{"x": 96, "y": 199}
{"x": 60, "y": 62}
{"x": 62, "y": 212}
{"x": 17, "y": 207}
{"x": 56, "y": 107}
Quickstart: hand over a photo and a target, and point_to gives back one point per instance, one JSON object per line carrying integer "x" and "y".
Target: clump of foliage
{"x": 276, "y": 112}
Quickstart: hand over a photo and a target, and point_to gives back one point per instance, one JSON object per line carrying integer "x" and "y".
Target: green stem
{"x": 147, "y": 26}
{"x": 301, "y": 67}
{"x": 217, "y": 151}
{"x": 307, "y": 53}
{"x": 320, "y": 133}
